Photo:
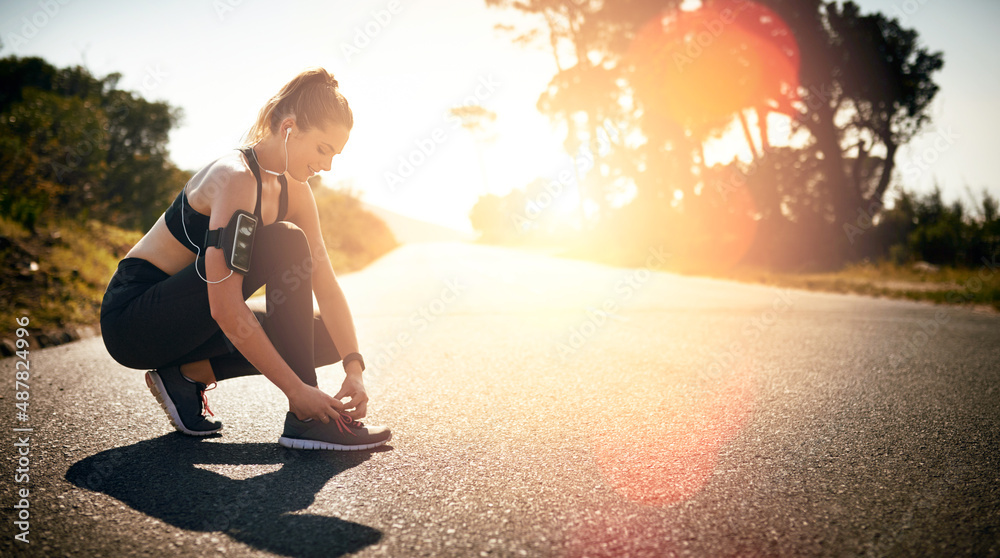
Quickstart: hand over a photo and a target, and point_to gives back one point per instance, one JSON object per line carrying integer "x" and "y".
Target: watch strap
{"x": 353, "y": 357}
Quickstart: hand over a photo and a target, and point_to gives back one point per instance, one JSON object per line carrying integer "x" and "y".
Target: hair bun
{"x": 320, "y": 74}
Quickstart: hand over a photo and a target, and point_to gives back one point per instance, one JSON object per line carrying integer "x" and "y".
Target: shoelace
{"x": 202, "y": 388}
{"x": 345, "y": 423}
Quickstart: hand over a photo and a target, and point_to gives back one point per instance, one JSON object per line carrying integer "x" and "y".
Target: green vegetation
{"x": 353, "y": 236}
{"x": 924, "y": 228}
{"x": 74, "y": 147}
{"x": 57, "y": 273}
{"x": 965, "y": 286}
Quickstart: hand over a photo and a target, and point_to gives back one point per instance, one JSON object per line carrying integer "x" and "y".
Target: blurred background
{"x": 766, "y": 140}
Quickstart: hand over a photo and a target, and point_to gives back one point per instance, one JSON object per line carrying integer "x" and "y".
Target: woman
{"x": 179, "y": 306}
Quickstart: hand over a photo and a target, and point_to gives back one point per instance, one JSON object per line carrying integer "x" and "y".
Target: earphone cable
{"x": 256, "y": 160}
{"x": 196, "y": 247}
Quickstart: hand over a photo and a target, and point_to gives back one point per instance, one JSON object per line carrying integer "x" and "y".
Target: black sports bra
{"x": 197, "y": 224}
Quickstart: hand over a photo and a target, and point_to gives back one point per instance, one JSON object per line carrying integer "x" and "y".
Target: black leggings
{"x": 153, "y": 320}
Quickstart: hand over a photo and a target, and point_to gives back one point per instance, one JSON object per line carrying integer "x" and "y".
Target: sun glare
{"x": 700, "y": 67}
{"x": 732, "y": 142}
{"x": 665, "y": 452}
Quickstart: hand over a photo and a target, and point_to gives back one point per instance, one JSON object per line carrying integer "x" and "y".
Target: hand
{"x": 311, "y": 403}
{"x": 354, "y": 389}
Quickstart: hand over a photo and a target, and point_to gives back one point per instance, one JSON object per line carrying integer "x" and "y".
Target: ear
{"x": 287, "y": 123}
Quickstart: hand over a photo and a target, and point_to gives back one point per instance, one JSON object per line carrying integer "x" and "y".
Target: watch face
{"x": 243, "y": 243}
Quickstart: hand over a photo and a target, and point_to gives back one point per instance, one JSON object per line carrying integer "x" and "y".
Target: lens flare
{"x": 716, "y": 229}
{"x": 663, "y": 455}
{"x": 700, "y": 67}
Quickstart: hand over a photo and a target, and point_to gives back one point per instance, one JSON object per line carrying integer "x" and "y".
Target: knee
{"x": 286, "y": 239}
{"x": 285, "y": 230}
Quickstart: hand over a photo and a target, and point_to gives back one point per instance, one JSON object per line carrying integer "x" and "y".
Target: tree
{"x": 78, "y": 147}
{"x": 587, "y": 39}
{"x": 855, "y": 87}
{"x": 52, "y": 154}
{"x": 141, "y": 180}
{"x": 871, "y": 74}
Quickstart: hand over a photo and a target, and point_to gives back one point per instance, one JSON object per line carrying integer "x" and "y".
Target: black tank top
{"x": 197, "y": 224}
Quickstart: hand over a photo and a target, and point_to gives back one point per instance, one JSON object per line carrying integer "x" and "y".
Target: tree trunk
{"x": 749, "y": 138}
{"x": 887, "y": 168}
{"x": 765, "y": 139}
{"x": 843, "y": 194}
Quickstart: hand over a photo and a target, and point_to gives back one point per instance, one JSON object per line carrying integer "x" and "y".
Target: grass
{"x": 977, "y": 287}
{"x": 57, "y": 276}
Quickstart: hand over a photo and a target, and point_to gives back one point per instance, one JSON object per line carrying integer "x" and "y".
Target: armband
{"x": 235, "y": 240}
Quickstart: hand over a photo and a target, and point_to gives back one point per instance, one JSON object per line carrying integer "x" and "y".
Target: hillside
{"x": 408, "y": 230}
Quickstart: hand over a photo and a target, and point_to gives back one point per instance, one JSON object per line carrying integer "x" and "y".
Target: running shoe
{"x": 343, "y": 434}
{"x": 183, "y": 400}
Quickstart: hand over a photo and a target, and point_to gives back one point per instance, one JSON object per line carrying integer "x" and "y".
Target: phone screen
{"x": 243, "y": 243}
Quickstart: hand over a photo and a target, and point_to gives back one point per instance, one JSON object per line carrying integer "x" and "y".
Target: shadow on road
{"x": 159, "y": 477}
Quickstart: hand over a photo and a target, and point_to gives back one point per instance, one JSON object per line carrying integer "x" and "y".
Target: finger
{"x": 355, "y": 400}
{"x": 348, "y": 404}
{"x": 342, "y": 393}
{"x": 359, "y": 412}
{"x": 336, "y": 407}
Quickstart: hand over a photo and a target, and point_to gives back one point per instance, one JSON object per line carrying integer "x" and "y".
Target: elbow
{"x": 224, "y": 314}
{"x": 230, "y": 311}
{"x": 237, "y": 327}
{"x": 218, "y": 314}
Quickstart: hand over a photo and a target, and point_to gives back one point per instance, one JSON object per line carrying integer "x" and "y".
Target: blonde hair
{"x": 313, "y": 97}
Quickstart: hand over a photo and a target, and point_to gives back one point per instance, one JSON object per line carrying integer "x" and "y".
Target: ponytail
{"x": 313, "y": 97}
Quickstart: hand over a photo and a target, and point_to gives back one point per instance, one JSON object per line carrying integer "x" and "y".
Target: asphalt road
{"x": 547, "y": 407}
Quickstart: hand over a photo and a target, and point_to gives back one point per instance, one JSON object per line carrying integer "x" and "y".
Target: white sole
{"x": 298, "y": 443}
{"x": 156, "y": 387}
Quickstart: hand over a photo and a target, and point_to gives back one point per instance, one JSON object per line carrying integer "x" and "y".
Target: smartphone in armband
{"x": 235, "y": 240}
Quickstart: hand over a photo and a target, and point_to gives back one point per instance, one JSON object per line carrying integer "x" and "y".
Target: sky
{"x": 402, "y": 64}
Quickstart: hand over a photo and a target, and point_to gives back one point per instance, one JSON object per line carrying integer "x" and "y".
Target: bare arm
{"x": 330, "y": 297}
{"x": 238, "y": 322}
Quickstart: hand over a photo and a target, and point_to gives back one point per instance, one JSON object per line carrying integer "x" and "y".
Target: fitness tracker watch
{"x": 352, "y": 357}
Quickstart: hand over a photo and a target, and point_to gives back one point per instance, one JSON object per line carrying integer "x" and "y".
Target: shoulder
{"x": 228, "y": 176}
{"x": 229, "y": 169}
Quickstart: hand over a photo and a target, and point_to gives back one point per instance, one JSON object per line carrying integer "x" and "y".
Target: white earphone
{"x": 287, "y": 133}
{"x": 196, "y": 247}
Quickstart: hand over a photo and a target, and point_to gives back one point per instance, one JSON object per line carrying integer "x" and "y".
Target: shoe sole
{"x": 156, "y": 387}
{"x": 299, "y": 443}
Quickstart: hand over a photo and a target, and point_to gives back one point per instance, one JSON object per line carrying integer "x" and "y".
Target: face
{"x": 312, "y": 151}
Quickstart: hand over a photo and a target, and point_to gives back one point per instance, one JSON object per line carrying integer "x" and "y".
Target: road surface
{"x": 547, "y": 407}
